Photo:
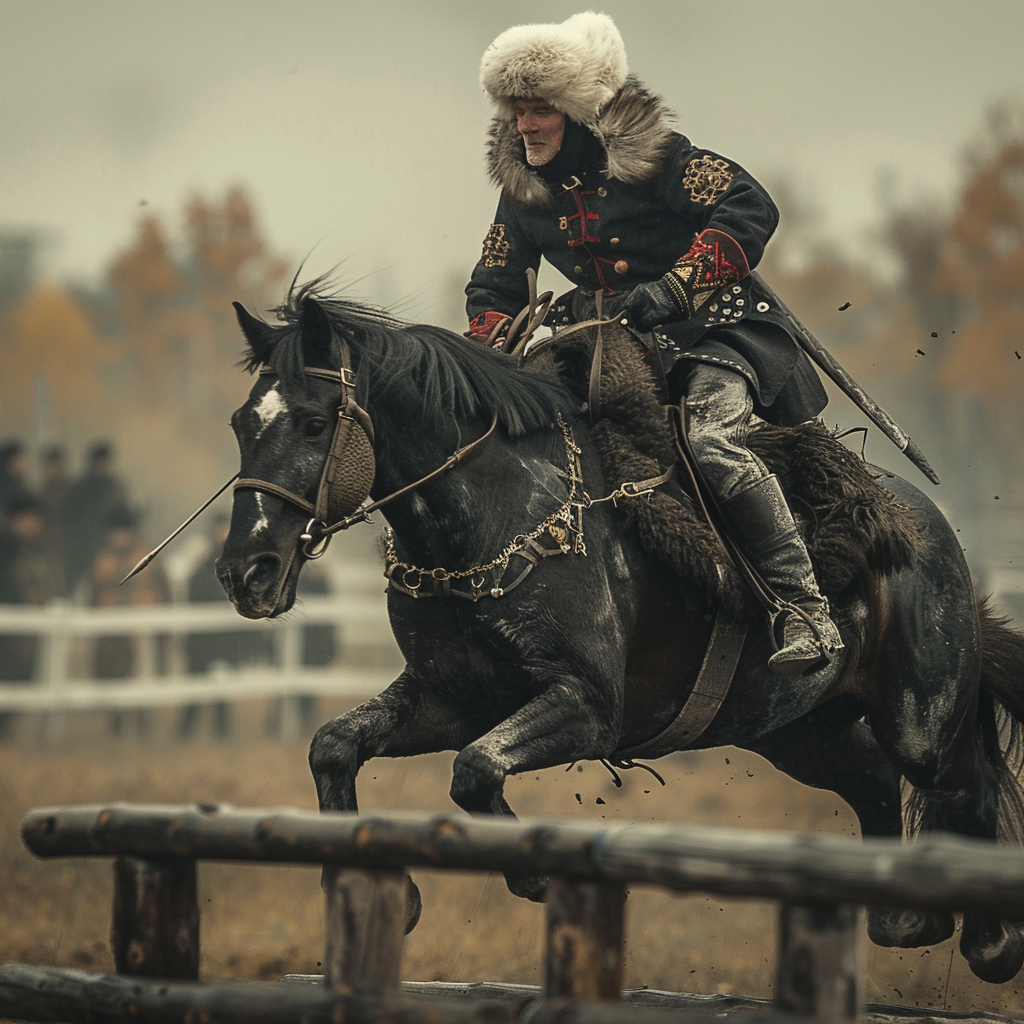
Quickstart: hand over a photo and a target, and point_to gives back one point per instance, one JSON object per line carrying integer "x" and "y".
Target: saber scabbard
{"x": 842, "y": 379}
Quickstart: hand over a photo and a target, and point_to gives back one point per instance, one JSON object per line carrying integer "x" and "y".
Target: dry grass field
{"x": 262, "y": 922}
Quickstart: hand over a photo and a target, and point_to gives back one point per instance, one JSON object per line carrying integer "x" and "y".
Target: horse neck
{"x": 472, "y": 509}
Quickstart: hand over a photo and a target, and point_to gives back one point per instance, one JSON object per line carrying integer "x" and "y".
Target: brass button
{"x": 621, "y": 267}
{"x": 615, "y": 241}
{"x": 577, "y": 270}
{"x": 602, "y": 191}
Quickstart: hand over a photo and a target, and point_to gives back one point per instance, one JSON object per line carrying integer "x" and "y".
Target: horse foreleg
{"x": 398, "y": 722}
{"x": 826, "y": 750}
{"x": 553, "y": 728}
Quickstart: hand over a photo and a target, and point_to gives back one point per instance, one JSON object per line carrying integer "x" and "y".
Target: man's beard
{"x": 544, "y": 156}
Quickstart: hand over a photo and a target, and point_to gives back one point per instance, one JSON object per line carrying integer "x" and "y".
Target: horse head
{"x": 285, "y": 438}
{"x": 308, "y": 457}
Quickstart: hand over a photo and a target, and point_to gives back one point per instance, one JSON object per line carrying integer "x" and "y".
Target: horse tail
{"x": 1001, "y": 715}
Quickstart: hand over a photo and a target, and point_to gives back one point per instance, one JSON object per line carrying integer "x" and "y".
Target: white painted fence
{"x": 367, "y": 660}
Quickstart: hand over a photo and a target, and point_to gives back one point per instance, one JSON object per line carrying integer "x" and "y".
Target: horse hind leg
{"x": 831, "y": 749}
{"x": 959, "y": 792}
{"x": 994, "y": 948}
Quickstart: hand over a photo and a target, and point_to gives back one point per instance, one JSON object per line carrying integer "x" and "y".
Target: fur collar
{"x": 635, "y": 129}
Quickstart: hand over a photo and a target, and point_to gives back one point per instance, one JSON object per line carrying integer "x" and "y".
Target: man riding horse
{"x": 664, "y": 234}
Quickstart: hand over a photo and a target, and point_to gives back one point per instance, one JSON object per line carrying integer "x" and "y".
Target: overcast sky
{"x": 358, "y": 128}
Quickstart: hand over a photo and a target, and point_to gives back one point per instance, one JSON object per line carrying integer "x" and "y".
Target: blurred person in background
{"x": 13, "y": 484}
{"x": 28, "y": 576}
{"x": 120, "y": 657}
{"x": 92, "y": 499}
{"x": 54, "y": 489}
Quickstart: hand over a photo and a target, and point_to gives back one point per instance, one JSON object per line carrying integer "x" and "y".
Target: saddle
{"x": 848, "y": 520}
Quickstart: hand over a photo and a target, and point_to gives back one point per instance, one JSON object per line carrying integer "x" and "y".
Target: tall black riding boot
{"x": 762, "y": 525}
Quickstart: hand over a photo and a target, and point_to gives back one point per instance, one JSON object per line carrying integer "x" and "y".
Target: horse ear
{"x": 259, "y": 334}
{"x": 317, "y": 334}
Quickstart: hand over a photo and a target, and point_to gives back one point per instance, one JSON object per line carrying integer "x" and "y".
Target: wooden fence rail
{"x": 368, "y": 659}
{"x": 821, "y": 882}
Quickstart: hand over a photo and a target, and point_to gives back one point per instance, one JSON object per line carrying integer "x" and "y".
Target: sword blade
{"x": 842, "y": 379}
{"x": 143, "y": 562}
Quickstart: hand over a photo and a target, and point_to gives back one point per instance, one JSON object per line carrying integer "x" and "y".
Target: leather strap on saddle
{"x": 710, "y": 690}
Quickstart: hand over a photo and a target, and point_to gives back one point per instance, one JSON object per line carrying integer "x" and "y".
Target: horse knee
{"x": 333, "y": 760}
{"x": 476, "y": 780}
{"x": 908, "y": 929}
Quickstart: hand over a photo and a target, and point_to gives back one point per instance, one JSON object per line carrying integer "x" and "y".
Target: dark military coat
{"x": 626, "y": 215}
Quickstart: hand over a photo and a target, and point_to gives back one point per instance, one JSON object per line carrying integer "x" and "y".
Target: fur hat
{"x": 577, "y": 66}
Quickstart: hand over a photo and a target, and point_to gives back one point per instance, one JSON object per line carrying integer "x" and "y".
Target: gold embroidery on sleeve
{"x": 707, "y": 179}
{"x": 496, "y": 247}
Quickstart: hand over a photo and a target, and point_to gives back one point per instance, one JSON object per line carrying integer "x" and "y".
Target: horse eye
{"x": 314, "y": 426}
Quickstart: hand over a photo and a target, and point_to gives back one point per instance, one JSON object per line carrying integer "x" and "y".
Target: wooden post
{"x": 366, "y": 913}
{"x": 820, "y": 966}
{"x": 584, "y": 940}
{"x": 52, "y": 668}
{"x": 155, "y": 928}
{"x": 289, "y": 650}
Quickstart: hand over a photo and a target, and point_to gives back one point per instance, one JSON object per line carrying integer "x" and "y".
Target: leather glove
{"x": 714, "y": 260}
{"x": 651, "y": 304}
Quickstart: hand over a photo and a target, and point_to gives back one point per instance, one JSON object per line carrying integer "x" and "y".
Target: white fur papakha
{"x": 577, "y": 66}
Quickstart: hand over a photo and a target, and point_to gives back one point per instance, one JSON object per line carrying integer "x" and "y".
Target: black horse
{"x": 596, "y": 650}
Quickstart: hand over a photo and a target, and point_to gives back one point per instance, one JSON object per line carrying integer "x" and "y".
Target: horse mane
{"x": 455, "y": 377}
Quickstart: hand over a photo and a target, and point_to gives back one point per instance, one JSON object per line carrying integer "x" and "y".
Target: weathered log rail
{"x": 820, "y": 882}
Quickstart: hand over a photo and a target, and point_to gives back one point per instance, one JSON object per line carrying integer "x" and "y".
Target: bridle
{"x": 347, "y": 479}
{"x": 350, "y": 466}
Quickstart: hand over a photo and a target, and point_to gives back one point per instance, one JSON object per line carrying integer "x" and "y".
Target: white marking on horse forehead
{"x": 268, "y": 408}
{"x": 263, "y": 523}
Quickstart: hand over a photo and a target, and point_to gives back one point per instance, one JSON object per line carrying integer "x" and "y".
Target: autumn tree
{"x": 171, "y": 315}
{"x": 173, "y": 303}
{"x": 149, "y": 313}
{"x": 983, "y": 267}
{"x": 50, "y": 341}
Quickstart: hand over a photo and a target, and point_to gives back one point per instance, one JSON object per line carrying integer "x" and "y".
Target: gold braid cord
{"x": 563, "y": 528}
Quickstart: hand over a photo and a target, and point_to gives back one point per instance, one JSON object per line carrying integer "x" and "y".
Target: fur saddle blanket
{"x": 849, "y": 521}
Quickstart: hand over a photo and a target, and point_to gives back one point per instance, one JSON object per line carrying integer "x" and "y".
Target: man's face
{"x": 542, "y": 128}
{"x": 26, "y": 526}
{"x": 121, "y": 538}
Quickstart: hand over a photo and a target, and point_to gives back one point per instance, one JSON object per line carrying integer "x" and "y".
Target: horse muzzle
{"x": 258, "y": 584}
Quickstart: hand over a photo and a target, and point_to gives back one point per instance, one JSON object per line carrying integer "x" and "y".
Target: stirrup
{"x": 809, "y": 640}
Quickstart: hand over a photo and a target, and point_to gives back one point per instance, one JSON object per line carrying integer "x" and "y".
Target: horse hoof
{"x": 993, "y": 950}
{"x": 413, "y": 905}
{"x": 908, "y": 928}
{"x": 528, "y": 887}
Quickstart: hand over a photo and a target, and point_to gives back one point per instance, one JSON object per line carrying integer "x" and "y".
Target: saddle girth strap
{"x": 699, "y": 710}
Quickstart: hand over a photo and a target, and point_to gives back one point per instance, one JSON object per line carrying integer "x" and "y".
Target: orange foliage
{"x": 986, "y": 269}
{"x": 50, "y": 336}
{"x": 176, "y": 314}
{"x": 149, "y": 361}
{"x": 181, "y": 341}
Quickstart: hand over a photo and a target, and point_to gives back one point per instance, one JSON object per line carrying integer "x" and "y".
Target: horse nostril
{"x": 262, "y": 573}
